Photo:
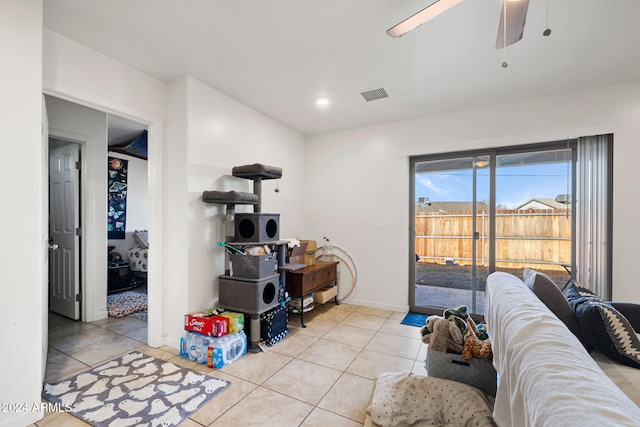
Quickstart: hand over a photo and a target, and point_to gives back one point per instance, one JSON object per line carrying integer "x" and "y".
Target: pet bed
{"x": 401, "y": 399}
{"x": 125, "y": 303}
{"x": 257, "y": 170}
{"x": 229, "y": 197}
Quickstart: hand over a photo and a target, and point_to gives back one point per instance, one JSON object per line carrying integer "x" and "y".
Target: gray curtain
{"x": 593, "y": 214}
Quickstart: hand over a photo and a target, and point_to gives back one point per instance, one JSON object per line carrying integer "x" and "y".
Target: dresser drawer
{"x": 310, "y": 279}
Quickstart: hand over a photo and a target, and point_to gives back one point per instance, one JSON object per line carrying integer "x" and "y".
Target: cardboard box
{"x": 325, "y": 294}
{"x": 310, "y": 252}
{"x": 236, "y": 321}
{"x": 206, "y": 324}
{"x": 478, "y": 373}
{"x": 297, "y": 253}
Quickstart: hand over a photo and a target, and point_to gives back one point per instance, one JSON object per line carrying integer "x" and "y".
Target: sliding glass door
{"x": 534, "y": 220}
{"x": 477, "y": 212}
{"x": 451, "y": 215}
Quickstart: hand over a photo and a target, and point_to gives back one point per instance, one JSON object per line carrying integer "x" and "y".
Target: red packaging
{"x": 210, "y": 357}
{"x": 211, "y": 326}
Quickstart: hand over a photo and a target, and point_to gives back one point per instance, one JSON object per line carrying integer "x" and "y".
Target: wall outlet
{"x": 383, "y": 223}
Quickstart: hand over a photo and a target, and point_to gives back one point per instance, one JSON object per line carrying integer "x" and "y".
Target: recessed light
{"x": 323, "y": 100}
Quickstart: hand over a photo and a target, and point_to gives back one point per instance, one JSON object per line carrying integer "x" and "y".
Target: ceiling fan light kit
{"x": 510, "y": 29}
{"x": 421, "y": 17}
{"x": 512, "y": 20}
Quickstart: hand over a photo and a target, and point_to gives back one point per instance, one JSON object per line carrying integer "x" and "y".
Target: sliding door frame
{"x": 492, "y": 153}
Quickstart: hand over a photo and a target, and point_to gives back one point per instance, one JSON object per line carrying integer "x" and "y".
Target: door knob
{"x": 52, "y": 246}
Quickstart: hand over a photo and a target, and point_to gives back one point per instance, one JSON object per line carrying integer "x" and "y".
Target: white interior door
{"x": 64, "y": 209}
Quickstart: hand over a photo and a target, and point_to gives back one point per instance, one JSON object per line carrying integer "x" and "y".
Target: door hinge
{"x": 78, "y": 297}
{"x": 78, "y": 165}
{"x": 79, "y": 231}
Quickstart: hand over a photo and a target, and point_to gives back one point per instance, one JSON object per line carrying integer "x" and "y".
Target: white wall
{"x": 76, "y": 73}
{"x": 215, "y": 134}
{"x": 77, "y": 70}
{"x": 88, "y": 127}
{"x": 21, "y": 254}
{"x": 365, "y": 177}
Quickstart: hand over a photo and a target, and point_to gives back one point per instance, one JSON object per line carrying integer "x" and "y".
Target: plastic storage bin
{"x": 253, "y": 266}
{"x": 478, "y": 373}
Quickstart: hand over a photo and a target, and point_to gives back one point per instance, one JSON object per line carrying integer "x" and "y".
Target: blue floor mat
{"x": 414, "y": 319}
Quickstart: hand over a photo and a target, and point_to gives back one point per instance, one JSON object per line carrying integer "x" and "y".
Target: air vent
{"x": 373, "y": 94}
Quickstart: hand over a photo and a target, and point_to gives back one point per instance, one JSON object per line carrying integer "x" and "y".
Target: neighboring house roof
{"x": 444, "y": 207}
{"x": 543, "y": 203}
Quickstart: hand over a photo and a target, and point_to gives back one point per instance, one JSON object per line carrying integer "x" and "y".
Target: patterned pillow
{"x": 142, "y": 238}
{"x": 605, "y": 327}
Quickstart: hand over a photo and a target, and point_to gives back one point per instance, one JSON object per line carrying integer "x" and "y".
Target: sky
{"x": 514, "y": 185}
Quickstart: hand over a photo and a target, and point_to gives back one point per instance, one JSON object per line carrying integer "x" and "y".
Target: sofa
{"x": 550, "y": 371}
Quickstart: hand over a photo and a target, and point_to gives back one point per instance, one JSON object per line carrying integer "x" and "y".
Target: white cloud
{"x": 437, "y": 186}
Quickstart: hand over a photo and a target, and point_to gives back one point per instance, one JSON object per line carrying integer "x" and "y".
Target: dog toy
{"x": 442, "y": 335}
{"x": 460, "y": 317}
{"x": 473, "y": 347}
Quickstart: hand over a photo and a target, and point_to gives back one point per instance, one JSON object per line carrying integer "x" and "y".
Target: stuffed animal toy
{"x": 482, "y": 331}
{"x": 442, "y": 335}
{"x": 461, "y": 318}
{"x": 473, "y": 347}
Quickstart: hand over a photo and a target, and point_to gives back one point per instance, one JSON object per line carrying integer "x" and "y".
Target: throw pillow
{"x": 142, "y": 238}
{"x": 605, "y": 327}
{"x": 552, "y": 297}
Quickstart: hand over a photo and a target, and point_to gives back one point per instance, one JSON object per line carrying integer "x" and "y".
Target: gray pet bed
{"x": 257, "y": 170}
{"x": 229, "y": 197}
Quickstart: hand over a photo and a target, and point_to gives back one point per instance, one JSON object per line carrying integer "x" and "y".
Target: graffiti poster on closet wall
{"x": 117, "y": 198}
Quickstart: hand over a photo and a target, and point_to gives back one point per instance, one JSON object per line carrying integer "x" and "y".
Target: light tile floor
{"x": 317, "y": 376}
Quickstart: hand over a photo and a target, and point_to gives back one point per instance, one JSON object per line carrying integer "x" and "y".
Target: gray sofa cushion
{"x": 547, "y": 292}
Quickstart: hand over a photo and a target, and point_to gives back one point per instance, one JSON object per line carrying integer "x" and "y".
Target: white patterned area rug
{"x": 134, "y": 389}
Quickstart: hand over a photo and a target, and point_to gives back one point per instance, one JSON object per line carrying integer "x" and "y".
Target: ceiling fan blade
{"x": 516, "y": 15}
{"x": 429, "y": 12}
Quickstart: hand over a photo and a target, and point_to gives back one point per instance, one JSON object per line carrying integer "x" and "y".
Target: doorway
{"x": 93, "y": 265}
{"x": 477, "y": 212}
{"x": 89, "y": 128}
{"x": 64, "y": 228}
{"x": 127, "y": 216}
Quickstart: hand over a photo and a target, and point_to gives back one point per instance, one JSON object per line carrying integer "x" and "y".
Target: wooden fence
{"x": 539, "y": 239}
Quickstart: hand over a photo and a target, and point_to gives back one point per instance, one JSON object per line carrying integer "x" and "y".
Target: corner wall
{"x": 210, "y": 133}
{"x": 366, "y": 178}
{"x": 22, "y": 321}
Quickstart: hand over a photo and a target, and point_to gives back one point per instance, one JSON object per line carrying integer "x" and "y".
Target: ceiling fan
{"x": 510, "y": 29}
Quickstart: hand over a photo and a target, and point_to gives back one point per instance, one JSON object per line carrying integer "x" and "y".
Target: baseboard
{"x": 22, "y": 419}
{"x": 371, "y": 304}
{"x": 172, "y": 342}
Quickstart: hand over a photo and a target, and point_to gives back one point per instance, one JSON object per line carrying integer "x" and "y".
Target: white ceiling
{"x": 121, "y": 130}
{"x": 276, "y": 56}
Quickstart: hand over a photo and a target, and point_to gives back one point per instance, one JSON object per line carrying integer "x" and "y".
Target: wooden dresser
{"x": 310, "y": 279}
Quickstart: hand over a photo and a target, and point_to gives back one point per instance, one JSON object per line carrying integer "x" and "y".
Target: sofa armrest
{"x": 546, "y": 375}
{"x": 631, "y": 311}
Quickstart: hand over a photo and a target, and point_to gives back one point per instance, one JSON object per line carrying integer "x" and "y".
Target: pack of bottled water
{"x": 212, "y": 351}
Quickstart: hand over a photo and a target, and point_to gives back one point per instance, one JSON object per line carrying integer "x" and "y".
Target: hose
{"x": 353, "y": 271}
{"x": 225, "y": 245}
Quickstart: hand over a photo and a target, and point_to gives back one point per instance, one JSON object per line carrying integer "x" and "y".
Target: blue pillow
{"x": 604, "y": 327}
